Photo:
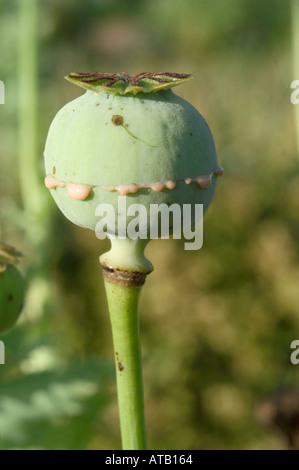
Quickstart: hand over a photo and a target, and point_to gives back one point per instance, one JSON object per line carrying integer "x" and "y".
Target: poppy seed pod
{"x": 131, "y": 137}
{"x": 12, "y": 288}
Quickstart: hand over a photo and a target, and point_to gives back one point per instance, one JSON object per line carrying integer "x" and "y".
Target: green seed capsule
{"x": 133, "y": 137}
{"x": 12, "y": 289}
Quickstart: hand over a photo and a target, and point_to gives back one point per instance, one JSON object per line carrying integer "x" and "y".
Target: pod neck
{"x": 125, "y": 262}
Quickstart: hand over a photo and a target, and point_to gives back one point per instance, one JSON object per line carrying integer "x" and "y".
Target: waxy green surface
{"x": 163, "y": 137}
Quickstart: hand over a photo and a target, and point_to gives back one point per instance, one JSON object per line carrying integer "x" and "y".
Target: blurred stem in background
{"x": 35, "y": 209}
{"x": 31, "y": 187}
{"x": 295, "y": 39}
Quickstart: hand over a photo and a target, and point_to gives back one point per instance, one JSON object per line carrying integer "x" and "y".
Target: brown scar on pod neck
{"x": 124, "y": 278}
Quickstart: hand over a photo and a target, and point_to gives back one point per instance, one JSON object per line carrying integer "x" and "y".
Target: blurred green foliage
{"x": 216, "y": 325}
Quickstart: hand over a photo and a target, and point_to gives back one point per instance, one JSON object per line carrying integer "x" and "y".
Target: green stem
{"x": 123, "y": 308}
{"x": 32, "y": 194}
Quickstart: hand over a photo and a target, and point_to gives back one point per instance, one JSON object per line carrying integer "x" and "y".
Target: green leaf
{"x": 53, "y": 410}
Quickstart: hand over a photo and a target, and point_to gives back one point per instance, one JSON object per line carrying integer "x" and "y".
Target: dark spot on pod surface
{"x": 10, "y": 297}
{"x": 54, "y": 170}
{"x": 120, "y": 366}
{"x": 117, "y": 120}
